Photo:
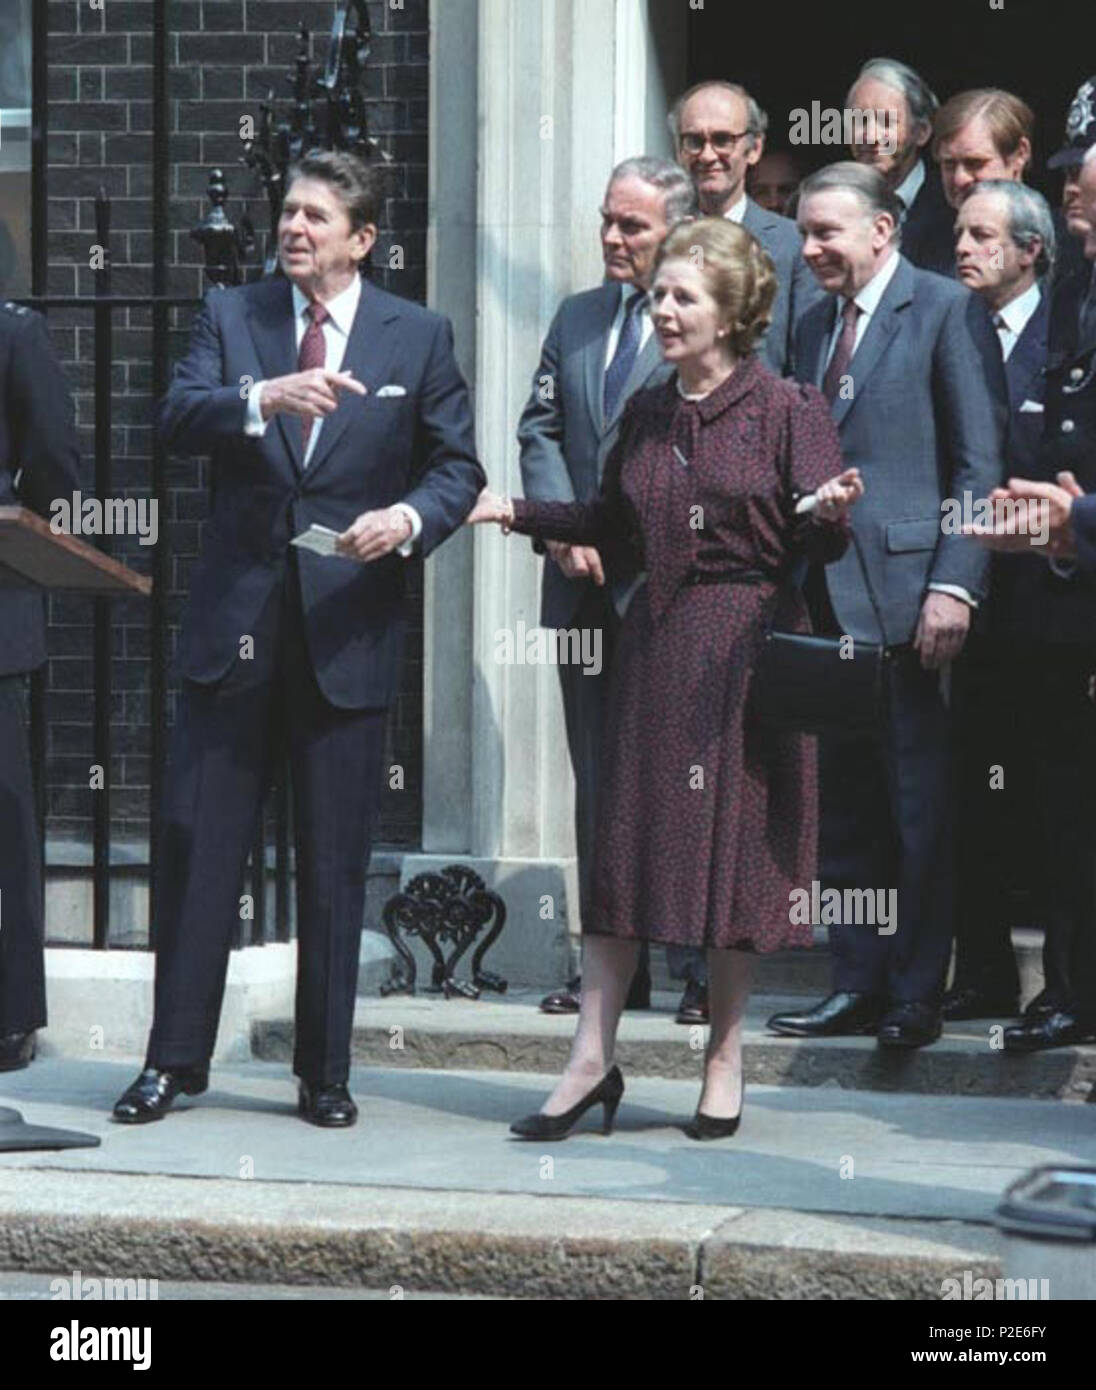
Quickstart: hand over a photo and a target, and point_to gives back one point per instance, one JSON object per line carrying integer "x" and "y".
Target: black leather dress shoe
{"x": 563, "y": 1001}
{"x": 694, "y": 1004}
{"x": 843, "y": 1014}
{"x": 16, "y": 1051}
{"x": 909, "y": 1025}
{"x": 1044, "y": 1004}
{"x": 151, "y": 1095}
{"x": 567, "y": 1001}
{"x": 970, "y": 1001}
{"x": 330, "y": 1107}
{"x": 1057, "y": 1029}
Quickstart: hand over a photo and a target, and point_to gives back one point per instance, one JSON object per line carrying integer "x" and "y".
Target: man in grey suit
{"x": 719, "y": 132}
{"x": 911, "y": 366}
{"x": 599, "y": 351}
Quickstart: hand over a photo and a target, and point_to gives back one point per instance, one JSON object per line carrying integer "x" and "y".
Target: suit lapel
{"x": 270, "y": 320}
{"x": 1028, "y": 357}
{"x": 819, "y": 340}
{"x": 882, "y": 326}
{"x": 368, "y": 354}
{"x": 594, "y": 356}
{"x": 756, "y": 220}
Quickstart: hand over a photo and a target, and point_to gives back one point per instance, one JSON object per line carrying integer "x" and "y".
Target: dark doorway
{"x": 789, "y": 56}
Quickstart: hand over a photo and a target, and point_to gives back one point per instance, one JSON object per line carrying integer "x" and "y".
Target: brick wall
{"x": 225, "y": 56}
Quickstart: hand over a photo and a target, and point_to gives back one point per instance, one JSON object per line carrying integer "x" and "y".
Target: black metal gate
{"x": 273, "y": 832}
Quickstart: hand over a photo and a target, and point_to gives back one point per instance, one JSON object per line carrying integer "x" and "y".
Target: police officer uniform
{"x": 1065, "y": 731}
{"x": 39, "y": 461}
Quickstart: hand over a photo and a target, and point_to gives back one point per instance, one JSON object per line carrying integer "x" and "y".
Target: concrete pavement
{"x": 875, "y": 1194}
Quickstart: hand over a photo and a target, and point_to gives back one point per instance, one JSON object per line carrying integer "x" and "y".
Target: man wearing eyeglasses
{"x": 719, "y": 132}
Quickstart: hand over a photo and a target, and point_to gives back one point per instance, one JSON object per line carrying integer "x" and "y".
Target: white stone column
{"x": 532, "y": 102}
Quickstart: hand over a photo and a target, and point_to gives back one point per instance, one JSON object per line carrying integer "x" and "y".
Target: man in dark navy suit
{"x": 322, "y": 401}
{"x": 1058, "y": 519}
{"x": 1005, "y": 252}
{"x": 39, "y": 463}
{"x": 897, "y": 150}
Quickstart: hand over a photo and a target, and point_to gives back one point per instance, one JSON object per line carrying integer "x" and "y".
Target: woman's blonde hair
{"x": 737, "y": 271}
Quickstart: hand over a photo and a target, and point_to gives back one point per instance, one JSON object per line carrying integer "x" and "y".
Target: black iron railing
{"x": 328, "y": 110}
{"x": 102, "y": 306}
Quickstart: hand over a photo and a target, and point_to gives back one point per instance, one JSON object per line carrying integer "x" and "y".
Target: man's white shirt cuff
{"x": 254, "y": 424}
{"x": 408, "y": 546}
{"x": 956, "y": 591}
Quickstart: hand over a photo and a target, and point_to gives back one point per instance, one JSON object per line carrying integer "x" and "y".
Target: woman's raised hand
{"x": 837, "y": 495}
{"x": 490, "y": 506}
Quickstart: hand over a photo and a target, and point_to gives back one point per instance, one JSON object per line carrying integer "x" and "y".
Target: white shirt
{"x": 911, "y": 185}
{"x": 867, "y": 299}
{"x": 341, "y": 312}
{"x": 738, "y": 212}
{"x": 646, "y": 327}
{"x": 1011, "y": 321}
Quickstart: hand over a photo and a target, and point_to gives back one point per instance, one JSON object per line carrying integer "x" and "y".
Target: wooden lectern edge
{"x": 131, "y": 584}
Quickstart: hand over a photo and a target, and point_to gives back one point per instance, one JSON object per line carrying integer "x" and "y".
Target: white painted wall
{"x": 532, "y": 103}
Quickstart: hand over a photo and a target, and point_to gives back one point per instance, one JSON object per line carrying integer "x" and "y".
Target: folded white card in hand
{"x": 320, "y": 539}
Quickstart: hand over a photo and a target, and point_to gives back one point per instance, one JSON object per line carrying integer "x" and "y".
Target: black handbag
{"x": 820, "y": 685}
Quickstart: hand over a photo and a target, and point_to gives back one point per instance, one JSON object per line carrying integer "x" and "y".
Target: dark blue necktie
{"x": 627, "y": 350}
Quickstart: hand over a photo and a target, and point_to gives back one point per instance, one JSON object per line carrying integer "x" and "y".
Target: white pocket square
{"x": 394, "y": 391}
{"x": 1032, "y": 408}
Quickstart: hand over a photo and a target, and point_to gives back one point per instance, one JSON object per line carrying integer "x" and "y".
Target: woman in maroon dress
{"x": 705, "y": 821}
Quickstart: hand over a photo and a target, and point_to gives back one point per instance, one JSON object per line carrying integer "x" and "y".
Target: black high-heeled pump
{"x": 703, "y": 1126}
{"x": 607, "y": 1092}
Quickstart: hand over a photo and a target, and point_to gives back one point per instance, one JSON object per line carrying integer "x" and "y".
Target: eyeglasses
{"x": 722, "y": 141}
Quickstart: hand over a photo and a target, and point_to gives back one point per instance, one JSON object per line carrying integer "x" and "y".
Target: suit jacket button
{"x": 1068, "y": 426}
{"x": 1077, "y": 373}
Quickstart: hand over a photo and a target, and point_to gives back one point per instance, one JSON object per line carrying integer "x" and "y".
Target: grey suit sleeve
{"x": 971, "y": 400}
{"x": 545, "y": 476}
{"x": 806, "y": 291}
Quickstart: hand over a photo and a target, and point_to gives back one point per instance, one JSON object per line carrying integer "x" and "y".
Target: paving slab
{"x": 820, "y": 1149}
{"x": 824, "y": 1192}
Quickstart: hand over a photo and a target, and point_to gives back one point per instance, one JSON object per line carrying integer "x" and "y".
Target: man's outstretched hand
{"x": 310, "y": 395}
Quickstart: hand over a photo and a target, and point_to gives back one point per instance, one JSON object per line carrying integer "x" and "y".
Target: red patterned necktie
{"x": 313, "y": 353}
{"x": 842, "y": 353}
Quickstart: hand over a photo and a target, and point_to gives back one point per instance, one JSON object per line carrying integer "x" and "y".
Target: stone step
{"x": 446, "y": 1244}
{"x": 809, "y": 972}
{"x": 511, "y": 1034}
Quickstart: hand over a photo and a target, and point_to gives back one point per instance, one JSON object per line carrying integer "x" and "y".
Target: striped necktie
{"x": 624, "y": 359}
{"x": 313, "y": 353}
